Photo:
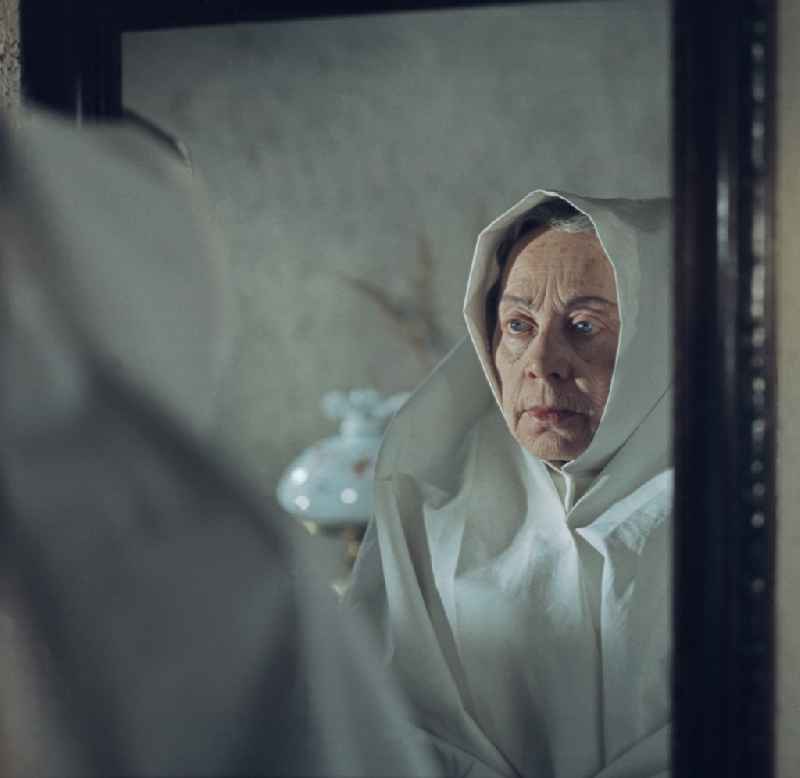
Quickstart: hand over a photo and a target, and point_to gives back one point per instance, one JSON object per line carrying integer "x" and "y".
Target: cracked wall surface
{"x": 9, "y": 54}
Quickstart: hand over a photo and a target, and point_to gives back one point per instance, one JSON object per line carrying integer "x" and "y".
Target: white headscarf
{"x": 531, "y": 631}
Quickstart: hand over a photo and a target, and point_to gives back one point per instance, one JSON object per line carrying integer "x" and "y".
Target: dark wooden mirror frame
{"x": 723, "y": 70}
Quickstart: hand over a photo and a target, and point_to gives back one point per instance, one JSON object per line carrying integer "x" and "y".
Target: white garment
{"x": 530, "y": 629}
{"x": 184, "y": 632}
{"x": 133, "y": 262}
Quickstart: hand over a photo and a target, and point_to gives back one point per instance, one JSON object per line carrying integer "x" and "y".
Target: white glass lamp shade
{"x": 330, "y": 483}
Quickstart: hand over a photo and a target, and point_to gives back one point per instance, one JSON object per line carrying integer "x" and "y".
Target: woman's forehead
{"x": 575, "y": 262}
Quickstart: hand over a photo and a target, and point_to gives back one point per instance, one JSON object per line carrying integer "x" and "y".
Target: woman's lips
{"x": 549, "y": 416}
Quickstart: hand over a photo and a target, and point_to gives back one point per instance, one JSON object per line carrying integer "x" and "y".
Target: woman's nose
{"x": 548, "y": 356}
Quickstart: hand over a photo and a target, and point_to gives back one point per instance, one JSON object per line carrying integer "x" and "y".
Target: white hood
{"x": 518, "y": 621}
{"x": 636, "y": 238}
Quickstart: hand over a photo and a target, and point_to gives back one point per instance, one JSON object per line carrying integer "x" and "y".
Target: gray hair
{"x": 554, "y": 214}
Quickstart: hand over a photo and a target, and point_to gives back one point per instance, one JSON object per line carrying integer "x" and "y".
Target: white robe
{"x": 531, "y": 630}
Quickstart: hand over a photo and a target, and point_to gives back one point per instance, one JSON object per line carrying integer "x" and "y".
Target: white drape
{"x": 532, "y": 631}
{"x": 175, "y": 627}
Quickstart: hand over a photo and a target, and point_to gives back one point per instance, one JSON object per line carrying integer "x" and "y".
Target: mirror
{"x": 351, "y": 163}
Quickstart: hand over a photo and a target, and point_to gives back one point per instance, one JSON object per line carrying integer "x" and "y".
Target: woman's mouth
{"x": 548, "y": 415}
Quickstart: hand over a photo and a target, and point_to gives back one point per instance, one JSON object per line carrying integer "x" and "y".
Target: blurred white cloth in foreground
{"x": 159, "y": 619}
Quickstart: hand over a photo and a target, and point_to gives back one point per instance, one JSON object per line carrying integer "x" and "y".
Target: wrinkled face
{"x": 556, "y": 341}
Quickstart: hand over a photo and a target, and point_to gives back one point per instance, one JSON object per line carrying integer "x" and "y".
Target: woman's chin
{"x": 552, "y": 447}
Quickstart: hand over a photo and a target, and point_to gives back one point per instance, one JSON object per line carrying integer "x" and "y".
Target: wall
{"x": 788, "y": 310}
{"x": 352, "y": 161}
{"x": 9, "y": 54}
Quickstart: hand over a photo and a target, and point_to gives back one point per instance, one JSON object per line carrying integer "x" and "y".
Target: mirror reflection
{"x": 482, "y": 192}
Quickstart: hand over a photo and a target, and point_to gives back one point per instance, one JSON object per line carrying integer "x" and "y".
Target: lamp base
{"x": 351, "y": 536}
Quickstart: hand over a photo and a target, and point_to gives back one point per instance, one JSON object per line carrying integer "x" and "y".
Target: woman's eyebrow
{"x": 527, "y": 302}
{"x": 589, "y": 298}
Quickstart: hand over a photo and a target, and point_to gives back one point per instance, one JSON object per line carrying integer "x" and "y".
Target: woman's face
{"x": 555, "y": 343}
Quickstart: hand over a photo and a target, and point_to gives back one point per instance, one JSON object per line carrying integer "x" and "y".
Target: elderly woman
{"x": 518, "y": 565}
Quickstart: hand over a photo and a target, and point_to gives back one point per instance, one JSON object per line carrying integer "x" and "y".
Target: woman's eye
{"x": 518, "y": 326}
{"x": 583, "y": 327}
